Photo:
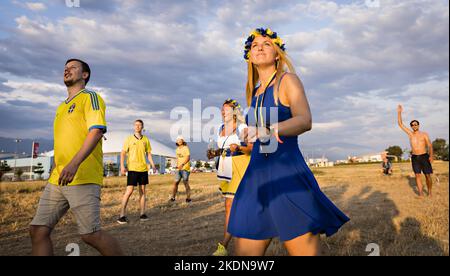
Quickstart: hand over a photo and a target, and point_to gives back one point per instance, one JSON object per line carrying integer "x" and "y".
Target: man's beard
{"x": 70, "y": 83}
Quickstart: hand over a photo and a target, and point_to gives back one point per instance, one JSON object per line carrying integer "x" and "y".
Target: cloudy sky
{"x": 357, "y": 59}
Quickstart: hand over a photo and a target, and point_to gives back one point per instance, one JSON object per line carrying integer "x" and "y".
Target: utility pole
{"x": 15, "y": 156}
{"x": 32, "y": 157}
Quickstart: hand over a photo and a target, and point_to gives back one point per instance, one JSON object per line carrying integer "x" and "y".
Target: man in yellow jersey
{"x": 136, "y": 147}
{"x": 183, "y": 169}
{"x": 77, "y": 173}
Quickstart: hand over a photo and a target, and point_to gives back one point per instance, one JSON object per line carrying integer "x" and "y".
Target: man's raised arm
{"x": 400, "y": 121}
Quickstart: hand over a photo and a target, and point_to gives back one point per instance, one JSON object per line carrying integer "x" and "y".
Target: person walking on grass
{"x": 183, "y": 169}
{"x": 77, "y": 173}
{"x": 278, "y": 195}
{"x": 234, "y": 156}
{"x": 136, "y": 148}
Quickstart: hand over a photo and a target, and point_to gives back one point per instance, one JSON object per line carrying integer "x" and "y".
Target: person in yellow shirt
{"x": 77, "y": 173}
{"x": 136, "y": 146}
{"x": 183, "y": 169}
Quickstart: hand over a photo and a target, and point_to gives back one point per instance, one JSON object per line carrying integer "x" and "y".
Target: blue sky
{"x": 357, "y": 62}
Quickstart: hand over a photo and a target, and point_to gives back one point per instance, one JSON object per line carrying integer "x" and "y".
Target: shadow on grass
{"x": 372, "y": 216}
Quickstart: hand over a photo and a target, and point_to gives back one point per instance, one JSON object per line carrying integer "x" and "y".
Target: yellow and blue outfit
{"x": 73, "y": 121}
{"x": 231, "y": 165}
{"x": 182, "y": 152}
{"x": 278, "y": 195}
{"x": 136, "y": 149}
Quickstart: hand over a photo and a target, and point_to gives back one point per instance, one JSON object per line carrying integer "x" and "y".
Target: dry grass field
{"x": 383, "y": 210}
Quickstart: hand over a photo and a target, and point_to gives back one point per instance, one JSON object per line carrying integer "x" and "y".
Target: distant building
{"x": 320, "y": 162}
{"x": 212, "y": 166}
{"x": 373, "y": 157}
{"x": 25, "y": 164}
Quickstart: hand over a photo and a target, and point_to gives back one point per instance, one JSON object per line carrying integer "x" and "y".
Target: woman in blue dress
{"x": 278, "y": 195}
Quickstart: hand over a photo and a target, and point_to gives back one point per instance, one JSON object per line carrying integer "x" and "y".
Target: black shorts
{"x": 421, "y": 163}
{"x": 137, "y": 178}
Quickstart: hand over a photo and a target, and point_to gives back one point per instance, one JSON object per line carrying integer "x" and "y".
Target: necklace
{"x": 262, "y": 101}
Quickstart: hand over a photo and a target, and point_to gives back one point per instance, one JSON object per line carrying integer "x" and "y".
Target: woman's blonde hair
{"x": 237, "y": 112}
{"x": 283, "y": 64}
{"x": 239, "y": 117}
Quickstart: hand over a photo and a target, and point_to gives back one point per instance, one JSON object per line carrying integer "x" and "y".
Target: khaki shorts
{"x": 83, "y": 200}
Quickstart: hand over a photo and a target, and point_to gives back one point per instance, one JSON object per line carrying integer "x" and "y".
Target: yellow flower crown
{"x": 262, "y": 32}
{"x": 233, "y": 102}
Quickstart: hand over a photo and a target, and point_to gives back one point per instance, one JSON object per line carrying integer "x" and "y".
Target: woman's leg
{"x": 188, "y": 189}
{"x": 246, "y": 247}
{"x": 306, "y": 245}
{"x": 186, "y": 185}
{"x": 175, "y": 189}
{"x": 227, "y": 236}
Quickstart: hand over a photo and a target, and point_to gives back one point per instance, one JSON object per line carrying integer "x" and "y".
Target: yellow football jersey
{"x": 73, "y": 121}
{"x": 182, "y": 153}
{"x": 136, "y": 150}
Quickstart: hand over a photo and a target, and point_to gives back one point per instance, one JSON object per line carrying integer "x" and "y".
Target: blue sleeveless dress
{"x": 278, "y": 195}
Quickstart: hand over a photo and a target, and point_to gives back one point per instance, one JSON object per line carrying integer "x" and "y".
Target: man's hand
{"x": 431, "y": 159}
{"x": 68, "y": 173}
{"x": 400, "y": 108}
{"x": 180, "y": 167}
{"x": 123, "y": 171}
{"x": 153, "y": 168}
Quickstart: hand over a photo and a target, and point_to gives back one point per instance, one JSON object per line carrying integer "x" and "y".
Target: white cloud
{"x": 327, "y": 126}
{"x": 36, "y": 6}
{"x": 33, "y": 91}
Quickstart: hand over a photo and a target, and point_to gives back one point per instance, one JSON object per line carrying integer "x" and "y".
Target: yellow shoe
{"x": 221, "y": 251}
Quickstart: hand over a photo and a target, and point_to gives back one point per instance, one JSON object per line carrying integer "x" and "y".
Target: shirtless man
{"x": 421, "y": 158}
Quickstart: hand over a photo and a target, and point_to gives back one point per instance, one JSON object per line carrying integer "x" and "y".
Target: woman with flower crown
{"x": 278, "y": 195}
{"x": 234, "y": 156}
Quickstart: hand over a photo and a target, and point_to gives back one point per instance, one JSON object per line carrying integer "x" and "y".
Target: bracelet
{"x": 271, "y": 130}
